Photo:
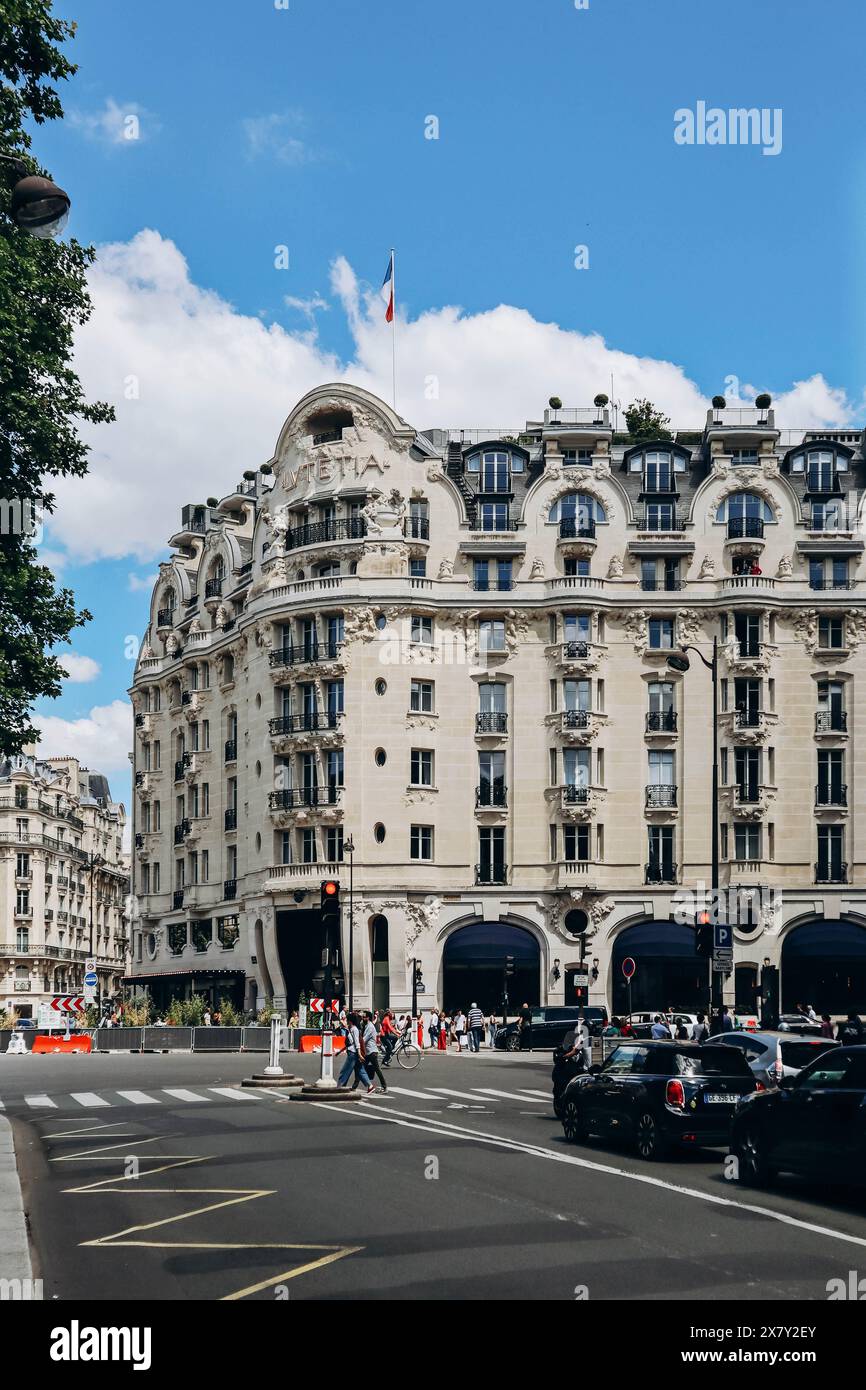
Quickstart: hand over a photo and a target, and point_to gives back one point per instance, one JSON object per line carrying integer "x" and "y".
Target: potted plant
{"x": 763, "y": 402}
{"x": 213, "y": 501}
{"x": 249, "y": 475}
{"x": 555, "y": 404}
{"x": 600, "y": 401}
{"x": 266, "y": 470}
{"x": 719, "y": 402}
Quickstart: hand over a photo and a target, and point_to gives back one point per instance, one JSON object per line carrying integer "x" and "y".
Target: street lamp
{"x": 679, "y": 661}
{"x": 38, "y": 206}
{"x": 349, "y": 848}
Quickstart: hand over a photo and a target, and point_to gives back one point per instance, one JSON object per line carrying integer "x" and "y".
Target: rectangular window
{"x": 421, "y": 697}
{"x": 421, "y": 629}
{"x": 576, "y": 843}
{"x": 831, "y": 632}
{"x": 205, "y": 865}
{"x": 747, "y": 842}
{"x": 491, "y": 855}
{"x": 494, "y": 516}
{"x": 334, "y": 843}
{"x": 421, "y": 842}
{"x": 661, "y": 633}
{"x": 417, "y": 567}
{"x": 422, "y": 767}
{"x": 492, "y": 635}
{"x": 309, "y": 853}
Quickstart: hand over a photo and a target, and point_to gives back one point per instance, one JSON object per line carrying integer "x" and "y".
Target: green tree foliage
{"x": 43, "y": 299}
{"x": 645, "y": 422}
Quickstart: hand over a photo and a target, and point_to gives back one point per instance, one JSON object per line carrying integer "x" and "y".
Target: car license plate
{"x": 720, "y": 1100}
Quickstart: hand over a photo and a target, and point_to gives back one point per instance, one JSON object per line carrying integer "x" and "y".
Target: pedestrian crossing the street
{"x": 181, "y": 1095}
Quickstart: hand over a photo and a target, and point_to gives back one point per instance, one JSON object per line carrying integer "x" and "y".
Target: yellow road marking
{"x": 103, "y": 1183}
{"x": 293, "y": 1273}
{"x": 248, "y": 1196}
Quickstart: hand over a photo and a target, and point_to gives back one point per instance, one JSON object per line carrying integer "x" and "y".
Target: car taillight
{"x": 778, "y": 1068}
{"x": 675, "y": 1095}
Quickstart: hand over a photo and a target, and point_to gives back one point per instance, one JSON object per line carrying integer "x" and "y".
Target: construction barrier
{"x": 312, "y": 1042}
{"x": 44, "y": 1043}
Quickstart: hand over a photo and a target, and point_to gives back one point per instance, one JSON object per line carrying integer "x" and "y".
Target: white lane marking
{"x": 88, "y": 1098}
{"x": 40, "y": 1102}
{"x": 461, "y": 1095}
{"x": 139, "y": 1098}
{"x": 2, "y": 1106}
{"x": 508, "y": 1095}
{"x": 402, "y": 1091}
{"x": 545, "y": 1095}
{"x": 181, "y": 1094}
{"x": 394, "y": 1117}
{"x": 232, "y": 1094}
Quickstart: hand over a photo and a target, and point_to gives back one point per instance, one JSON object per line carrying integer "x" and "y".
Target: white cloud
{"x": 201, "y": 390}
{"x": 121, "y": 124}
{"x": 101, "y": 741}
{"x": 276, "y": 137}
{"x": 142, "y": 583}
{"x": 79, "y": 669}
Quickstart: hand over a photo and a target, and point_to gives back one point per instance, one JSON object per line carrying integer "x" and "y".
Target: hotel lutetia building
{"x": 64, "y": 881}
{"x": 451, "y": 647}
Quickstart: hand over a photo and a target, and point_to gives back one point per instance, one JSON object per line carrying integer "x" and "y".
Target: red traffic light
{"x": 702, "y": 919}
{"x": 330, "y": 889}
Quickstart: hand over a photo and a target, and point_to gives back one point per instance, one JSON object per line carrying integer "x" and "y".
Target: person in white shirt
{"x": 584, "y": 1041}
{"x": 459, "y": 1028}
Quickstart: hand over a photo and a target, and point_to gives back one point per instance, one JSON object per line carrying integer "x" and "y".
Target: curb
{"x": 14, "y": 1243}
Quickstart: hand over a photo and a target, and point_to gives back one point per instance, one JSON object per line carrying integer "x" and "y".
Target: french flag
{"x": 387, "y": 290}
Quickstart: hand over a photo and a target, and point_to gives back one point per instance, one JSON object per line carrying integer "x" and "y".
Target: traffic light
{"x": 509, "y": 965}
{"x": 703, "y": 933}
{"x": 419, "y": 980}
{"x": 330, "y": 905}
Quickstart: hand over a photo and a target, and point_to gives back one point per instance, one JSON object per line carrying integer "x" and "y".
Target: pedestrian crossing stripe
{"x": 94, "y": 1100}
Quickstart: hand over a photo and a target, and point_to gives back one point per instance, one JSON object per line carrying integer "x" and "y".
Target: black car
{"x": 811, "y": 1119}
{"x": 549, "y": 1025}
{"x": 658, "y": 1094}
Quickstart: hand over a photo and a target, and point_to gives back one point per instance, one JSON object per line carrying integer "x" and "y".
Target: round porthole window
{"x": 379, "y": 833}
{"x": 381, "y": 757}
{"x": 380, "y": 687}
{"x": 381, "y": 621}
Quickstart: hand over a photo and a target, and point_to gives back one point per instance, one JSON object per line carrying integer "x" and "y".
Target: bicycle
{"x": 407, "y": 1053}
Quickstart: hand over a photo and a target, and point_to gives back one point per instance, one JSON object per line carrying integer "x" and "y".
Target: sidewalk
{"x": 14, "y": 1245}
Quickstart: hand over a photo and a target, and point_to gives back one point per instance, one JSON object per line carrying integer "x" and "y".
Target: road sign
{"x": 90, "y": 978}
{"x": 723, "y": 937}
{"x": 628, "y": 967}
{"x": 581, "y": 980}
{"x": 723, "y": 960}
{"x": 90, "y": 965}
{"x": 68, "y": 1004}
{"x": 317, "y": 1006}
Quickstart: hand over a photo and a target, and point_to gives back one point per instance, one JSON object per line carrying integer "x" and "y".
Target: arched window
{"x": 577, "y": 513}
{"x": 742, "y": 505}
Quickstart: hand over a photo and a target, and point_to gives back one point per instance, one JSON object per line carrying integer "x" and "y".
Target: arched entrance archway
{"x": 669, "y": 971}
{"x": 473, "y": 967}
{"x": 824, "y": 964}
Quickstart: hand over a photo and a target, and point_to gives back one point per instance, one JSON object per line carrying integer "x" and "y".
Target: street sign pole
{"x": 273, "y": 1068}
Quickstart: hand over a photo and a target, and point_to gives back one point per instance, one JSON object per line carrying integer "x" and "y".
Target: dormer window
{"x": 744, "y": 458}
{"x": 494, "y": 468}
{"x": 658, "y": 467}
{"x": 572, "y": 457}
{"x": 821, "y": 467}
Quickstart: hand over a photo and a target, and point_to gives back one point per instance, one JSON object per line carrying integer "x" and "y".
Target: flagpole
{"x": 394, "y": 329}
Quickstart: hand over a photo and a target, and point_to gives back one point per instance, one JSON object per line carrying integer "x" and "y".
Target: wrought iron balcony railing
{"x": 661, "y": 721}
{"x": 347, "y": 529}
{"x": 491, "y": 794}
{"x": 491, "y": 722}
{"x": 307, "y": 651}
{"x": 575, "y": 719}
{"x": 831, "y": 873}
{"x": 831, "y": 794}
{"x": 831, "y": 721}
{"x": 496, "y": 872}
{"x": 661, "y": 795}
{"x": 292, "y": 798}
{"x": 573, "y": 528}
{"x": 745, "y": 528}
{"x": 662, "y": 871}
{"x": 230, "y": 818}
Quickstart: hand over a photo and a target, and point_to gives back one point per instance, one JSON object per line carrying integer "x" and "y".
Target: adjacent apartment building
{"x": 441, "y": 659}
{"x": 64, "y": 881}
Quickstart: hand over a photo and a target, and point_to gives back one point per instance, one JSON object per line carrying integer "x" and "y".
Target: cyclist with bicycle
{"x": 388, "y": 1036}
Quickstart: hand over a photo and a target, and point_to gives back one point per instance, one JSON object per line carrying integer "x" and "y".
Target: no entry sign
{"x": 628, "y": 967}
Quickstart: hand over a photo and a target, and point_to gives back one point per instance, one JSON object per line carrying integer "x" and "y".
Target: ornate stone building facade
{"x": 64, "y": 881}
{"x": 452, "y": 648}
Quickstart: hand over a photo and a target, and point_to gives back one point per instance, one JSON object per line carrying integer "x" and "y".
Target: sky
{"x": 244, "y": 166}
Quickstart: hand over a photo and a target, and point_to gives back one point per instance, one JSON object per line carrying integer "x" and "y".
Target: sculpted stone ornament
{"x": 708, "y": 568}
{"x": 360, "y": 625}
{"x": 537, "y": 570}
{"x": 615, "y": 568}
{"x": 757, "y": 483}
{"x": 786, "y": 569}
{"x": 446, "y": 569}
{"x": 172, "y": 644}
{"x": 146, "y": 653}
{"x": 635, "y": 624}
{"x": 688, "y": 626}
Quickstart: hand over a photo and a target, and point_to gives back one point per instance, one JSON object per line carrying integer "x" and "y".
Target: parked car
{"x": 549, "y": 1025}
{"x": 25, "y": 1023}
{"x": 773, "y": 1055}
{"x": 659, "y": 1094}
{"x": 813, "y": 1123}
{"x": 746, "y": 1020}
{"x": 642, "y": 1021}
{"x": 799, "y": 1023}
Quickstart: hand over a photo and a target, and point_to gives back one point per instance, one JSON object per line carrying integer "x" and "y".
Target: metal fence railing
{"x": 168, "y": 1039}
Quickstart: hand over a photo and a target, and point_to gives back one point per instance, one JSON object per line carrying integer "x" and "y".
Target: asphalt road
{"x": 156, "y": 1177}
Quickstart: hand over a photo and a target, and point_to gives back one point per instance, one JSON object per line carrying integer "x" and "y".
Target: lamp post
{"x": 349, "y": 847}
{"x": 95, "y": 861}
{"x": 679, "y": 661}
{"x": 38, "y": 206}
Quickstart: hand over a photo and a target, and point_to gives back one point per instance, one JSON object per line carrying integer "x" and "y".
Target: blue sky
{"x": 305, "y": 127}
